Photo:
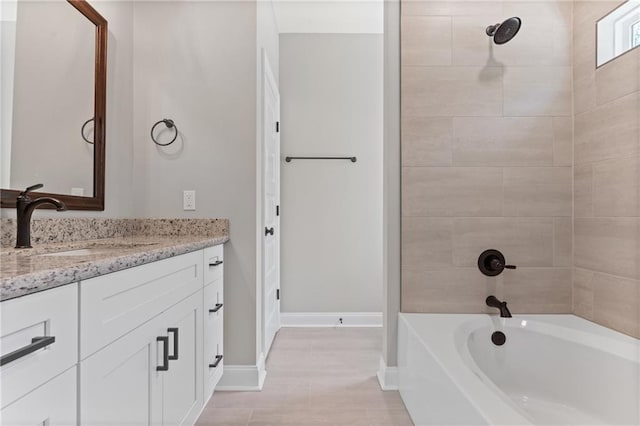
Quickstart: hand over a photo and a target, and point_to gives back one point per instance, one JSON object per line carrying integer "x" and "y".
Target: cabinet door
{"x": 52, "y": 404}
{"x": 120, "y": 385}
{"x": 182, "y": 383}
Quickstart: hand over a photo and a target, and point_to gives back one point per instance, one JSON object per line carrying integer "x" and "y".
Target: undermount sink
{"x": 96, "y": 250}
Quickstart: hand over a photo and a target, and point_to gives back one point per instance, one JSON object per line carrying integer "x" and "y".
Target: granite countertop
{"x": 26, "y": 271}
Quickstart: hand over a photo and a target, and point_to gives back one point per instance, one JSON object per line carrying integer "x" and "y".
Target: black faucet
{"x": 25, "y": 207}
{"x": 493, "y": 302}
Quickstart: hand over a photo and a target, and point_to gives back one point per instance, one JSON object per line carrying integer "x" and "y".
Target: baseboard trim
{"x": 243, "y": 377}
{"x": 387, "y": 376}
{"x": 331, "y": 319}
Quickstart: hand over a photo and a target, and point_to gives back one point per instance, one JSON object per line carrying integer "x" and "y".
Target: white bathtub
{"x": 552, "y": 370}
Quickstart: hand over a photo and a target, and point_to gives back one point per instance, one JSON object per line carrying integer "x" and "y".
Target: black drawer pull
{"x": 165, "y": 356}
{"x": 268, "y": 231}
{"x": 36, "y": 343}
{"x": 216, "y": 263}
{"x": 216, "y": 309}
{"x": 215, "y": 364}
{"x": 175, "y": 343}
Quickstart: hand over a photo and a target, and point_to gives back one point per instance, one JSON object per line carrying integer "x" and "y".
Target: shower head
{"x": 505, "y": 31}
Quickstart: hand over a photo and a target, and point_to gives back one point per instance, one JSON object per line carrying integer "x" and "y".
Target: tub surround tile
{"x": 617, "y": 78}
{"x": 583, "y": 190}
{"x": 446, "y": 291}
{"x": 608, "y": 245}
{"x": 426, "y": 141}
{"x": 509, "y": 128}
{"x": 426, "y": 242}
{"x": 451, "y": 8}
{"x": 607, "y": 132}
{"x": 417, "y": 29}
{"x": 538, "y": 290}
{"x": 562, "y": 141}
{"x": 468, "y": 48}
{"x": 583, "y": 293}
{"x": 452, "y": 191}
{"x": 25, "y": 271}
{"x": 616, "y": 188}
{"x": 523, "y": 241}
{"x": 562, "y": 241}
{"x": 537, "y": 191}
{"x": 503, "y": 141}
{"x": 537, "y": 91}
{"x": 451, "y": 91}
{"x": 616, "y": 303}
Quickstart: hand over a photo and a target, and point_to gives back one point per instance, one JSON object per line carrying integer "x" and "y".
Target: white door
{"x": 270, "y": 206}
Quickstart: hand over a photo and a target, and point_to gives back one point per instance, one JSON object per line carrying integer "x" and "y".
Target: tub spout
{"x": 493, "y": 302}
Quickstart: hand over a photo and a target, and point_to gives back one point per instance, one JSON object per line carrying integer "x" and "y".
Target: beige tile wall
{"x": 486, "y": 155}
{"x": 606, "y": 279}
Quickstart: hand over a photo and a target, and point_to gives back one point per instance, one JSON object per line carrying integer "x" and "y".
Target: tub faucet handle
{"x": 491, "y": 263}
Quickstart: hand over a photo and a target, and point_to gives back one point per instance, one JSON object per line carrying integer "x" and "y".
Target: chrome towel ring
{"x": 170, "y": 125}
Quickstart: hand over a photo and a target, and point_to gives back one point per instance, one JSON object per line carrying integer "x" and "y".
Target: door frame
{"x": 268, "y": 79}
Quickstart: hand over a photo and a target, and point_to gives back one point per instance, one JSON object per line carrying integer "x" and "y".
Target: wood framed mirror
{"x": 55, "y": 114}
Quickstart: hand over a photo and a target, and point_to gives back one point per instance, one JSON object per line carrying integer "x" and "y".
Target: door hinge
{"x": 277, "y": 127}
{"x": 277, "y": 210}
{"x": 278, "y": 294}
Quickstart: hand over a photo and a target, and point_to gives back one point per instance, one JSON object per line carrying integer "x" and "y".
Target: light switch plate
{"x": 189, "y": 200}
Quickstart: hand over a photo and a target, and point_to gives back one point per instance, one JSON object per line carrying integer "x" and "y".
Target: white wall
{"x": 195, "y": 62}
{"x": 331, "y": 104}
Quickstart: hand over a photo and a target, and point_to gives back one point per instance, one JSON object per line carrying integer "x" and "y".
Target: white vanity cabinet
{"x": 39, "y": 343}
{"x": 140, "y": 353}
{"x": 149, "y": 376}
{"x": 213, "y": 308}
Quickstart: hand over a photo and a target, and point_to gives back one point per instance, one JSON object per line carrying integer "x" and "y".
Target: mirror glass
{"x": 618, "y": 32}
{"x": 47, "y": 85}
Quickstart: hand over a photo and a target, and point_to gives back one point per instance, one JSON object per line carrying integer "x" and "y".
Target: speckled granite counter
{"x": 25, "y": 271}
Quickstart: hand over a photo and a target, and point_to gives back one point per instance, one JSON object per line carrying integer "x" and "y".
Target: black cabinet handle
{"x": 36, "y": 344}
{"x": 216, "y": 309}
{"x": 216, "y": 263}
{"x": 215, "y": 364}
{"x": 165, "y": 357}
{"x": 268, "y": 231}
{"x": 175, "y": 343}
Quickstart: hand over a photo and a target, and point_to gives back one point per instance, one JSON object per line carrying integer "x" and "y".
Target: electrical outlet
{"x": 189, "y": 200}
{"x": 77, "y": 191}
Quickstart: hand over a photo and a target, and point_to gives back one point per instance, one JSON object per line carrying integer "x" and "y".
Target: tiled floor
{"x": 315, "y": 376}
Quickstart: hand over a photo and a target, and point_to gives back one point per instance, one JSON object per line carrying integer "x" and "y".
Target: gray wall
{"x": 331, "y": 104}
{"x": 186, "y": 68}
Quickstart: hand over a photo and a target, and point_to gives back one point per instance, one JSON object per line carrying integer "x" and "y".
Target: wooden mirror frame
{"x": 73, "y": 202}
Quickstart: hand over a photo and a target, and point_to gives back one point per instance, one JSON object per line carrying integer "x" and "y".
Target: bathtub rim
{"x": 448, "y": 347}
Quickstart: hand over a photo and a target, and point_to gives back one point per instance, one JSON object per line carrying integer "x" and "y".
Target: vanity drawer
{"x": 213, "y": 336}
{"x": 114, "y": 304}
{"x": 213, "y": 266}
{"x": 51, "y": 314}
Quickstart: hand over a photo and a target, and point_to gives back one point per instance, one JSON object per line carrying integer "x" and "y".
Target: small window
{"x": 618, "y": 32}
{"x": 635, "y": 35}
